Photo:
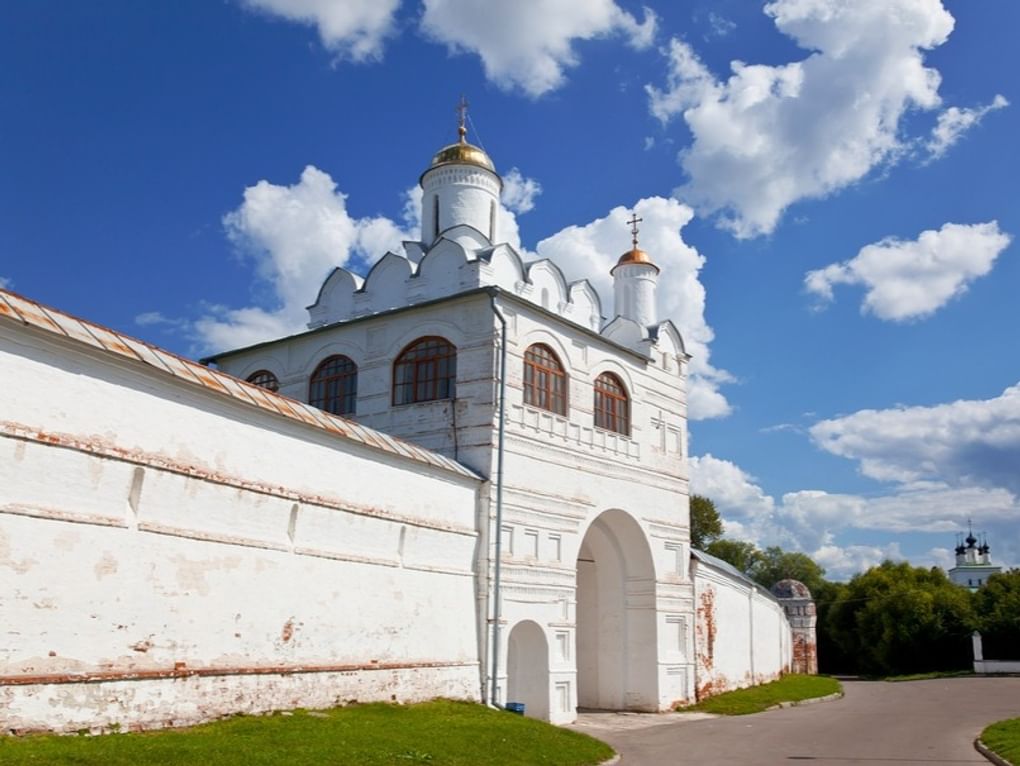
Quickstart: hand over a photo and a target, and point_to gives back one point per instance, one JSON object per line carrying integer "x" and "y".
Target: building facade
{"x": 461, "y": 481}
{"x": 973, "y": 562}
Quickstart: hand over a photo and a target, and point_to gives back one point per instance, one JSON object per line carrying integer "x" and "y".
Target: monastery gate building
{"x": 460, "y": 481}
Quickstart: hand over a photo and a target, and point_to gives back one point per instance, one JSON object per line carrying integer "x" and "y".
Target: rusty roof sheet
{"x": 17, "y": 308}
{"x": 732, "y": 571}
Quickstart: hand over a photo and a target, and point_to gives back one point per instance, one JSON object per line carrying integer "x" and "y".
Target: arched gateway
{"x": 528, "y": 669}
{"x": 616, "y": 624}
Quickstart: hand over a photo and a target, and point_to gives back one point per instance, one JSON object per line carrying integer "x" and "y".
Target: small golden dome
{"x": 462, "y": 153}
{"x": 634, "y": 256}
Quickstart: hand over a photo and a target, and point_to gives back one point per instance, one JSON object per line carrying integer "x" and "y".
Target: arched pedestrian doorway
{"x": 617, "y": 652}
{"x": 528, "y": 669}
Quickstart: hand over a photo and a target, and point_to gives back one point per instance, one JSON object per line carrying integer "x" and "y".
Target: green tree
{"x": 896, "y": 618}
{"x": 706, "y": 525}
{"x": 775, "y": 564}
{"x": 831, "y": 658}
{"x": 997, "y": 612}
{"x": 743, "y": 555}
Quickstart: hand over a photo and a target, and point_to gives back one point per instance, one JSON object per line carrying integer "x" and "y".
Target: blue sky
{"x": 836, "y": 216}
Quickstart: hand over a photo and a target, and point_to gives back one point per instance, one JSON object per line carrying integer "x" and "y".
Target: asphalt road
{"x": 877, "y": 723}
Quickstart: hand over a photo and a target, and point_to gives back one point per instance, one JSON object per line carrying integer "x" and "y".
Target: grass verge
{"x": 929, "y": 676}
{"x": 438, "y": 733}
{"x": 1003, "y": 739}
{"x": 791, "y": 688}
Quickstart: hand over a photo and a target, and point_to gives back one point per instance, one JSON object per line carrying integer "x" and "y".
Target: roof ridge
{"x": 17, "y": 307}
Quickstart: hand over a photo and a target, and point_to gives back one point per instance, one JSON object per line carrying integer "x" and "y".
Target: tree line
{"x": 892, "y": 619}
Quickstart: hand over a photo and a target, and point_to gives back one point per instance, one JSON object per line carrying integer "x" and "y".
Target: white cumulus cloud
{"x": 954, "y": 122}
{"x": 813, "y": 521}
{"x": 5, "y": 283}
{"x": 294, "y": 235}
{"x": 735, "y": 493}
{"x": 840, "y": 563}
{"x": 941, "y": 466}
{"x": 771, "y": 135}
{"x": 591, "y": 250}
{"x": 911, "y": 279}
{"x": 974, "y": 442}
{"x": 529, "y": 44}
{"x": 354, "y": 29}
{"x": 519, "y": 192}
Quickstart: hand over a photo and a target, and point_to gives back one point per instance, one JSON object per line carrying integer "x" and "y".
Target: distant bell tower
{"x": 799, "y": 606}
{"x": 460, "y": 187}
{"x": 973, "y": 562}
{"x": 635, "y": 279}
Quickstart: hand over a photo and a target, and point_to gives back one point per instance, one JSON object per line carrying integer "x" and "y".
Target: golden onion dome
{"x": 635, "y": 255}
{"x": 462, "y": 153}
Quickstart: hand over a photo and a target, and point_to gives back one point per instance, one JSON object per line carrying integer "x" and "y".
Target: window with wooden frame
{"x": 612, "y": 405}
{"x": 545, "y": 382}
{"x": 334, "y": 385}
{"x": 425, "y": 371}
{"x": 264, "y": 379}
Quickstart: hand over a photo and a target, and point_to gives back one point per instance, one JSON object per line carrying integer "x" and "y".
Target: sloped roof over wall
{"x": 732, "y": 571}
{"x": 17, "y": 308}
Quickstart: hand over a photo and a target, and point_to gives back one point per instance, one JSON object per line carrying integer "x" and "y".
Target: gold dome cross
{"x": 462, "y": 107}
{"x": 634, "y": 221}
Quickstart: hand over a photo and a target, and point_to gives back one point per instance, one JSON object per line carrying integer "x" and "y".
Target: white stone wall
{"x": 168, "y": 554}
{"x": 561, "y": 472}
{"x": 742, "y": 635}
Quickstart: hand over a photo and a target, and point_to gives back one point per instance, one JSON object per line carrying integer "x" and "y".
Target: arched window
{"x": 612, "y": 405}
{"x": 334, "y": 386}
{"x": 425, "y": 371}
{"x": 264, "y": 379}
{"x": 545, "y": 382}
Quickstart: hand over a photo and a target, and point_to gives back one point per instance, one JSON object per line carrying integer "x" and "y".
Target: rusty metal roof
{"x": 732, "y": 571}
{"x": 17, "y": 308}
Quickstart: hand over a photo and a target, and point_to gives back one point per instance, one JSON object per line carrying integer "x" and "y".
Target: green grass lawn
{"x": 1003, "y": 739}
{"x": 440, "y": 732}
{"x": 791, "y": 688}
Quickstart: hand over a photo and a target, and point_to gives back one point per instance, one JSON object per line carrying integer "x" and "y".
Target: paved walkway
{"x": 876, "y": 723}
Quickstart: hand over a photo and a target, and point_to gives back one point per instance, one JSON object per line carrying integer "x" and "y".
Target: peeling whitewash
{"x": 742, "y": 633}
{"x": 112, "y": 566}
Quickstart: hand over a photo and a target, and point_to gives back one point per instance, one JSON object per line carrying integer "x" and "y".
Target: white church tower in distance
{"x": 973, "y": 562}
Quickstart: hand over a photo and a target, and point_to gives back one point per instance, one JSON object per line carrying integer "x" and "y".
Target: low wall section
{"x": 169, "y": 554}
{"x": 742, "y": 635}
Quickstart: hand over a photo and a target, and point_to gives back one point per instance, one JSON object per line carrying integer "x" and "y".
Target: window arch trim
{"x": 546, "y": 383}
{"x": 612, "y": 404}
{"x": 333, "y": 385}
{"x": 264, "y": 379}
{"x": 425, "y": 371}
